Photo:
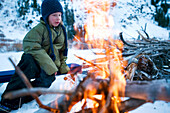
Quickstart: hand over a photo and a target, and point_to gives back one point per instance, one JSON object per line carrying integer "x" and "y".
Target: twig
{"x": 122, "y": 39}
{"x": 92, "y": 64}
{"x": 30, "y": 91}
{"x": 146, "y": 39}
{"x": 144, "y": 30}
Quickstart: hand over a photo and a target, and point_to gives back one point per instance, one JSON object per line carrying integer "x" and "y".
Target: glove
{"x": 64, "y": 68}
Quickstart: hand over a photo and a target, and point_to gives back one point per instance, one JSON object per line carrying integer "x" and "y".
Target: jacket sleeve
{"x": 32, "y": 45}
{"x": 62, "y": 57}
{"x": 63, "y": 68}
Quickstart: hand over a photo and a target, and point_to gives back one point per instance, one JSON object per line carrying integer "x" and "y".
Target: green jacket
{"x": 36, "y": 42}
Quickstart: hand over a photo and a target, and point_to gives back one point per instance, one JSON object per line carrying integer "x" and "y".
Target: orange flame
{"x": 99, "y": 35}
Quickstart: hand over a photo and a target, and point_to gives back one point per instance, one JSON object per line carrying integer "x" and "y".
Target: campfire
{"x": 127, "y": 75}
{"x": 98, "y": 35}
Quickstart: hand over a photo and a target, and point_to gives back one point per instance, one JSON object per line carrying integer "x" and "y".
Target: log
{"x": 149, "y": 90}
{"x": 142, "y": 91}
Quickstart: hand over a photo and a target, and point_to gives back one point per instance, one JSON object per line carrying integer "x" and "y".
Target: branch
{"x": 91, "y": 63}
{"x": 122, "y": 39}
{"x": 38, "y": 91}
{"x": 146, "y": 39}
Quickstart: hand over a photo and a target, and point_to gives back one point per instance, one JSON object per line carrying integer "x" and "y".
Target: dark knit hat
{"x": 50, "y": 6}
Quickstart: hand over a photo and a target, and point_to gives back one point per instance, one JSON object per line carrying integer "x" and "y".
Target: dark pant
{"x": 32, "y": 71}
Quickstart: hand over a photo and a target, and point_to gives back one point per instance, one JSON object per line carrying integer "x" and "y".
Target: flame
{"x": 98, "y": 34}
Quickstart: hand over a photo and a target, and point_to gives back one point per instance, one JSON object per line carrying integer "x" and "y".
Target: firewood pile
{"x": 149, "y": 59}
{"x": 146, "y": 74}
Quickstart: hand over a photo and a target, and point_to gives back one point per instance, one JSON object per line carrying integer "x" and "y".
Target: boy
{"x": 45, "y": 53}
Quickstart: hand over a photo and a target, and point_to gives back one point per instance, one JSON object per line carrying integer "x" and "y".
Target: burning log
{"x": 139, "y": 92}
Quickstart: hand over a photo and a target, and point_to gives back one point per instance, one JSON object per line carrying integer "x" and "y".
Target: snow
{"x": 60, "y": 83}
{"x": 125, "y": 9}
{"x": 138, "y": 17}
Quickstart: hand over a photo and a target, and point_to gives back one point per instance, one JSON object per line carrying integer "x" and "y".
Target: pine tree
{"x": 25, "y": 5}
{"x": 69, "y": 20}
{"x": 153, "y": 2}
{"x": 161, "y": 15}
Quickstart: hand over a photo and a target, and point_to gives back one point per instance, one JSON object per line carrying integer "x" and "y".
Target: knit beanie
{"x": 48, "y": 7}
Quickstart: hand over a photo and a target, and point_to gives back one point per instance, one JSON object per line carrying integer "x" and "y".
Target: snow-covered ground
{"x": 60, "y": 83}
{"x": 128, "y": 17}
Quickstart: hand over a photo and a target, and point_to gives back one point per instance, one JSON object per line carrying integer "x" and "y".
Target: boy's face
{"x": 54, "y": 19}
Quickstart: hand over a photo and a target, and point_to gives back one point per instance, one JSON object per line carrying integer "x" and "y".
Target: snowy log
{"x": 144, "y": 90}
{"x": 140, "y": 92}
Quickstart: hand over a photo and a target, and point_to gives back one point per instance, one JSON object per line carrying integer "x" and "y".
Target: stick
{"x": 122, "y": 39}
{"x": 92, "y": 64}
{"x": 38, "y": 91}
